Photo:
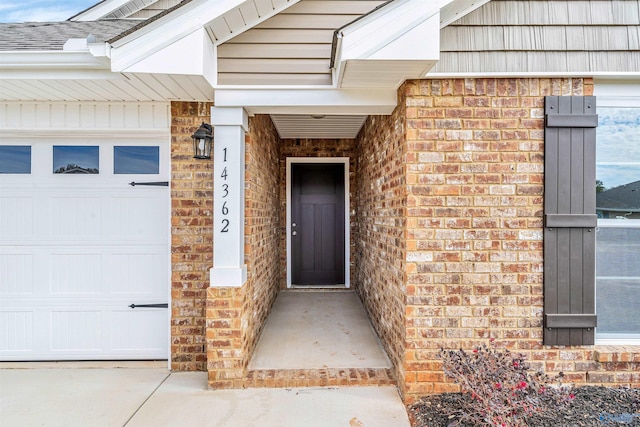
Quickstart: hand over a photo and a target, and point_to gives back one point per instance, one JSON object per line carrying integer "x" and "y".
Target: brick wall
{"x": 312, "y": 148}
{"x": 262, "y": 231}
{"x": 380, "y": 229}
{"x": 474, "y": 207}
{"x": 191, "y": 237}
{"x": 236, "y": 316}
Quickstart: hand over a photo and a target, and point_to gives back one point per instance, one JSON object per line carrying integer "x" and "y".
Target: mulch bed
{"x": 592, "y": 406}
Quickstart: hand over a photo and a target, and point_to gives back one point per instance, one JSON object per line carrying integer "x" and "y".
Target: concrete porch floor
{"x": 318, "y": 329}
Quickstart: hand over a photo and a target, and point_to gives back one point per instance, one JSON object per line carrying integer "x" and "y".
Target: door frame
{"x": 347, "y": 229}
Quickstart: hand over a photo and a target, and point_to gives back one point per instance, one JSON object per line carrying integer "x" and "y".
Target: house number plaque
{"x": 229, "y": 126}
{"x": 224, "y": 210}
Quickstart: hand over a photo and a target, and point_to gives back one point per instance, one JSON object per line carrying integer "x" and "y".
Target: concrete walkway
{"x": 77, "y": 396}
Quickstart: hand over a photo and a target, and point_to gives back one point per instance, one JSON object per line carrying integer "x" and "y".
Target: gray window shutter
{"x": 570, "y": 220}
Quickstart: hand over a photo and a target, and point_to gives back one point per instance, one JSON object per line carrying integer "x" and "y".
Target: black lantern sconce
{"x": 202, "y": 140}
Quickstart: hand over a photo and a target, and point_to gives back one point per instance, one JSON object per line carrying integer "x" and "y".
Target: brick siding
{"x": 380, "y": 229}
{"x": 447, "y": 205}
{"x": 235, "y": 317}
{"x": 191, "y": 237}
{"x": 475, "y": 204}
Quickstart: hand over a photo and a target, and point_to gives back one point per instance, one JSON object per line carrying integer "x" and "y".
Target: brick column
{"x": 225, "y": 354}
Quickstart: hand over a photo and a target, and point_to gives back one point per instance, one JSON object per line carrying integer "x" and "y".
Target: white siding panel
{"x": 273, "y": 79}
{"x": 536, "y": 38}
{"x": 70, "y": 115}
{"x": 320, "y": 7}
{"x": 537, "y": 62}
{"x": 633, "y": 34}
{"x": 569, "y": 12}
{"x": 266, "y": 36}
{"x": 232, "y": 50}
{"x": 332, "y": 22}
{"x": 273, "y": 65}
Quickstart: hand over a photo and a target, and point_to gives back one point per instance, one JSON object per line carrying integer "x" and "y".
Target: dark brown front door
{"x": 317, "y": 224}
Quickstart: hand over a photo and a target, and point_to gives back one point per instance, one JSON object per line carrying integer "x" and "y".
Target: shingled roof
{"x": 625, "y": 197}
{"x": 53, "y": 35}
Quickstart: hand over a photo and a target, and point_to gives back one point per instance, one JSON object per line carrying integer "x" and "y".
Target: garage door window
{"x": 76, "y": 159}
{"x": 136, "y": 160}
{"x": 15, "y": 159}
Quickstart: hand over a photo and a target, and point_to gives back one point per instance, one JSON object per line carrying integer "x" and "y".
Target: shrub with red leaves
{"x": 499, "y": 388}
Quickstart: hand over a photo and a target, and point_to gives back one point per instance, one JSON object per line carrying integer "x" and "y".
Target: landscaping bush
{"x": 499, "y": 388}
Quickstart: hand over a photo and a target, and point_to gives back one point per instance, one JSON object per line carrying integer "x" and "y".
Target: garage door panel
{"x": 73, "y": 330}
{"x": 76, "y": 251}
{"x": 133, "y": 218}
{"x": 76, "y": 273}
{"x": 16, "y": 218}
{"x": 16, "y": 331}
{"x": 16, "y": 274}
{"x": 137, "y": 274}
{"x": 75, "y": 218}
{"x": 141, "y": 336}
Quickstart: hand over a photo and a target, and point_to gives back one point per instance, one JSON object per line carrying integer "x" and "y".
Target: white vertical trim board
{"x": 347, "y": 208}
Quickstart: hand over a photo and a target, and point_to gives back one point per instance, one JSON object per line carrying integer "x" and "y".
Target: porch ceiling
{"x": 317, "y": 126}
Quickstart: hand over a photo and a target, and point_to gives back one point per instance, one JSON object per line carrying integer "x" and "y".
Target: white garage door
{"x": 79, "y": 246}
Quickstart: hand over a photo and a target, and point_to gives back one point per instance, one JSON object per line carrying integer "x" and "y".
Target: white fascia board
{"x": 191, "y": 55}
{"x": 310, "y": 101}
{"x": 377, "y": 30}
{"x": 457, "y": 9}
{"x": 100, "y": 10}
{"x": 48, "y": 60}
{"x": 421, "y": 43}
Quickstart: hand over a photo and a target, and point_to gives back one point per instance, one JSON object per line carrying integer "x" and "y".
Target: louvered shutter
{"x": 570, "y": 220}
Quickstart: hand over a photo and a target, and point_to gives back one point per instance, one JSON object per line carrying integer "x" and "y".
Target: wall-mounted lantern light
{"x": 202, "y": 140}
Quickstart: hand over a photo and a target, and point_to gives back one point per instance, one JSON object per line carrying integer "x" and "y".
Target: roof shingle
{"x": 53, "y": 35}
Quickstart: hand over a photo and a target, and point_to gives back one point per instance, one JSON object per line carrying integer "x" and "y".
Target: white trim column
{"x": 230, "y": 125}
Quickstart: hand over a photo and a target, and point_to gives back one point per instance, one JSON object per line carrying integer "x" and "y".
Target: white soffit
{"x": 398, "y": 41}
{"x": 332, "y": 102}
{"x": 317, "y": 126}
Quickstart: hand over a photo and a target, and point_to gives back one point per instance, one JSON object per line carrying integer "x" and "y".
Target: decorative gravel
{"x": 592, "y": 406}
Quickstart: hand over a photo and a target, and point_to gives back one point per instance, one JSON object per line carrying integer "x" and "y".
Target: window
{"x": 15, "y": 159}
{"x": 136, "y": 160}
{"x": 75, "y": 159}
{"x": 618, "y": 232}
